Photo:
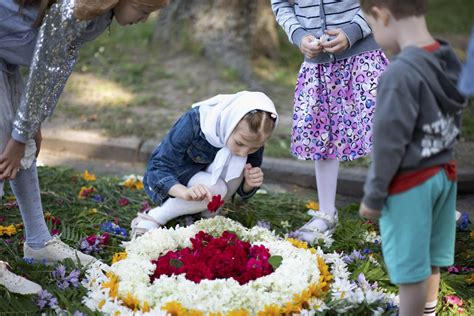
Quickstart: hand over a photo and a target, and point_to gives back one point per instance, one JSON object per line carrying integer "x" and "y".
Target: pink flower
{"x": 454, "y": 269}
{"x": 55, "y": 232}
{"x": 453, "y": 300}
{"x": 123, "y": 202}
{"x": 145, "y": 206}
{"x": 104, "y": 239}
{"x": 91, "y": 240}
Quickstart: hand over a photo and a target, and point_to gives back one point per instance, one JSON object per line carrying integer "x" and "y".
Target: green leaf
{"x": 275, "y": 261}
{"x": 176, "y": 263}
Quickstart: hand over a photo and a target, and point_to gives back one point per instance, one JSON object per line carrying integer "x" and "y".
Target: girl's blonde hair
{"x": 42, "y": 5}
{"x": 260, "y": 122}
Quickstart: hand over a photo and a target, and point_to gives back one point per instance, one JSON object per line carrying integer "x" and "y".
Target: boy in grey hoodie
{"x": 411, "y": 184}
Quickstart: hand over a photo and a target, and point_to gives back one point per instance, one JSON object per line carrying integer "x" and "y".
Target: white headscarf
{"x": 219, "y": 116}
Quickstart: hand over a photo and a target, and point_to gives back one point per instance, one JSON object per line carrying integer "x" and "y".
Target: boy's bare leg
{"x": 413, "y": 298}
{"x": 433, "y": 290}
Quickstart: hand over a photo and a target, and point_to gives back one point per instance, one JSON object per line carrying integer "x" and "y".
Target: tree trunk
{"x": 230, "y": 32}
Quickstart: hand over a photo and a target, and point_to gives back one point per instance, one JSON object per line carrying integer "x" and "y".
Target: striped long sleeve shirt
{"x": 304, "y": 17}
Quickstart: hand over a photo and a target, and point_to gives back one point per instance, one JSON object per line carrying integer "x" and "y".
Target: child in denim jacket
{"x": 216, "y": 148}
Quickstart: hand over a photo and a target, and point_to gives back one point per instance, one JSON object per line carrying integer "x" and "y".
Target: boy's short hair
{"x": 399, "y": 8}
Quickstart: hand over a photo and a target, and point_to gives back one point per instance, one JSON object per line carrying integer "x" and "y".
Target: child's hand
{"x": 10, "y": 159}
{"x": 198, "y": 192}
{"x": 366, "y": 212}
{"x": 310, "y": 46}
{"x": 338, "y": 44}
{"x": 253, "y": 177}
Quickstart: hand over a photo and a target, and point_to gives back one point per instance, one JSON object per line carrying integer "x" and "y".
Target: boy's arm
{"x": 357, "y": 29}
{"x": 395, "y": 119}
{"x": 286, "y": 18}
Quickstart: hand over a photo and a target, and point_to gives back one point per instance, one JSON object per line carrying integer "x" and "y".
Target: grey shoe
{"x": 15, "y": 283}
{"x": 54, "y": 251}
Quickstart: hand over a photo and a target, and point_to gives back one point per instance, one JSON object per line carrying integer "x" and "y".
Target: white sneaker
{"x": 319, "y": 224}
{"x": 55, "y": 250}
{"x": 15, "y": 283}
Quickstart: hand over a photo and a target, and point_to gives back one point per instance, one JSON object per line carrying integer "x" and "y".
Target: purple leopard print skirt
{"x": 334, "y": 107}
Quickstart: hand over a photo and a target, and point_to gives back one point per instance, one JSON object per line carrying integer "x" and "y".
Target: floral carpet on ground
{"x": 265, "y": 273}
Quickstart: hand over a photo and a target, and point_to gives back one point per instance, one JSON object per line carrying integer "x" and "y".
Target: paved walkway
{"x": 120, "y": 156}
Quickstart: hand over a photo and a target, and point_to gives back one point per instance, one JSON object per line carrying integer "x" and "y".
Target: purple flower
{"x": 355, "y": 255}
{"x": 63, "y": 281}
{"x": 454, "y": 269}
{"x": 264, "y": 224}
{"x": 347, "y": 259}
{"x": 78, "y": 313}
{"x": 463, "y": 222}
{"x": 98, "y": 198}
{"x": 111, "y": 227}
{"x": 46, "y": 299}
{"x": 29, "y": 260}
{"x": 73, "y": 278}
{"x": 86, "y": 247}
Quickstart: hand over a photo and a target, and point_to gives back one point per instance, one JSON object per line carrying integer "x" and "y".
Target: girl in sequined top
{"x": 46, "y": 36}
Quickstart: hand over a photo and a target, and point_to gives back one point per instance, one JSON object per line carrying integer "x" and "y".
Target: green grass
{"x": 467, "y": 128}
{"x": 454, "y": 16}
{"x": 82, "y": 217}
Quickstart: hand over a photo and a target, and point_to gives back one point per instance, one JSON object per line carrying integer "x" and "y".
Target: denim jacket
{"x": 184, "y": 152}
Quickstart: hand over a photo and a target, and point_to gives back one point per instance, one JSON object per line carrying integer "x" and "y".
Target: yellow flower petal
{"x": 88, "y": 176}
{"x": 119, "y": 256}
{"x": 270, "y": 310}
{"x": 139, "y": 185}
{"x": 238, "y": 312}
{"x": 112, "y": 284}
{"x": 131, "y": 302}
{"x": 312, "y": 205}
{"x": 9, "y": 230}
{"x": 174, "y": 308}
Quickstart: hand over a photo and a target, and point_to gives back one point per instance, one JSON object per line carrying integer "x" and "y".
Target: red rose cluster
{"x": 216, "y": 258}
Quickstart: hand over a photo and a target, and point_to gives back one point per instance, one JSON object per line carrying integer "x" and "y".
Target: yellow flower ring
{"x": 125, "y": 288}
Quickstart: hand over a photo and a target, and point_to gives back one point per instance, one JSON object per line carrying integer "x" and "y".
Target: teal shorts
{"x": 418, "y": 229}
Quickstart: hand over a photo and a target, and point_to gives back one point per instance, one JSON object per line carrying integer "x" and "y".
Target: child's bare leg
{"x": 433, "y": 289}
{"x": 413, "y": 298}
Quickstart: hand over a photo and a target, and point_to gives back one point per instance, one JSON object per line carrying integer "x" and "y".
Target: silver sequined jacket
{"x": 55, "y": 54}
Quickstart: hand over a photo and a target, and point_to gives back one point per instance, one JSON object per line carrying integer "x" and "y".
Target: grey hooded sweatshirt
{"x": 418, "y": 117}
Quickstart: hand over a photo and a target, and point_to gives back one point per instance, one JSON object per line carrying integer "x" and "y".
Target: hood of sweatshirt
{"x": 441, "y": 69}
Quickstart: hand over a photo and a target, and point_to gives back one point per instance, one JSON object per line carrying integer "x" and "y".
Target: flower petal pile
{"x": 303, "y": 281}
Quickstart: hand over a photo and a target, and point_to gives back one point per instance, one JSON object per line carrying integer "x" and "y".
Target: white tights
{"x": 175, "y": 207}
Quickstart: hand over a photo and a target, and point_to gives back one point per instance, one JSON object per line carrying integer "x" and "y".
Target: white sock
{"x": 430, "y": 308}
{"x": 326, "y": 181}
